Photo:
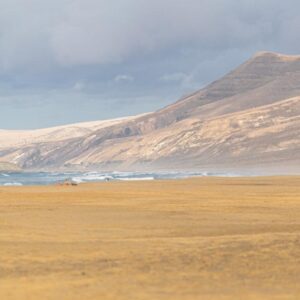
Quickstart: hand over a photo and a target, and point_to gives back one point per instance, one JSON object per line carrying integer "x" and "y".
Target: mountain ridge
{"x": 265, "y": 87}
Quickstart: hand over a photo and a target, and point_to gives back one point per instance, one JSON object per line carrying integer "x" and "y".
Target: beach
{"x": 198, "y": 238}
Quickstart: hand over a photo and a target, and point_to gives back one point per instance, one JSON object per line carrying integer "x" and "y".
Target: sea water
{"x": 48, "y": 178}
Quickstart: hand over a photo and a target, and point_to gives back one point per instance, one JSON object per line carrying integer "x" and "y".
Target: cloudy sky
{"x": 65, "y": 61}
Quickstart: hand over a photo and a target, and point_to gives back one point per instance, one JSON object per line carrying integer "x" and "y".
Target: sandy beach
{"x": 204, "y": 238}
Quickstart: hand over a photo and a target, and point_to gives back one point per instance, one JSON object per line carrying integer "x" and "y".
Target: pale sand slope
{"x": 191, "y": 239}
{"x": 18, "y": 138}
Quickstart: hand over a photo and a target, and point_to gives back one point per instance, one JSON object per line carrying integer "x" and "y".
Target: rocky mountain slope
{"x": 250, "y": 117}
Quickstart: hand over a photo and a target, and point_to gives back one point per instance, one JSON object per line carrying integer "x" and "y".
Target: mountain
{"x": 23, "y": 138}
{"x": 248, "y": 118}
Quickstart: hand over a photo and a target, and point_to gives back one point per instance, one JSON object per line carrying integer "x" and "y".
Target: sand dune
{"x": 208, "y": 238}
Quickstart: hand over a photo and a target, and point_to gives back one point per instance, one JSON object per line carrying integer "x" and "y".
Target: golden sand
{"x": 208, "y": 238}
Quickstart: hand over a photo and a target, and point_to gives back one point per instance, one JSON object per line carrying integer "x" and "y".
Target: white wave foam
{"x": 12, "y": 184}
{"x": 136, "y": 178}
{"x": 92, "y": 177}
{"x": 5, "y": 175}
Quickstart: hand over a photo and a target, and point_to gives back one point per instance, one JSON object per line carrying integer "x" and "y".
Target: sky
{"x": 67, "y": 61}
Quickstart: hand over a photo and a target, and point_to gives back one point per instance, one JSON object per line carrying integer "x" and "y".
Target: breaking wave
{"x": 47, "y": 178}
{"x": 12, "y": 184}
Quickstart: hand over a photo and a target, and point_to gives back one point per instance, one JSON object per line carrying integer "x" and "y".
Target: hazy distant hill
{"x": 250, "y": 117}
{"x": 13, "y": 138}
{"x": 8, "y": 167}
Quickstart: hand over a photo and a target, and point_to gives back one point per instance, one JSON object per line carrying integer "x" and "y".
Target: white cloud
{"x": 79, "y": 86}
{"x": 123, "y": 78}
{"x": 174, "y": 77}
{"x": 187, "y": 82}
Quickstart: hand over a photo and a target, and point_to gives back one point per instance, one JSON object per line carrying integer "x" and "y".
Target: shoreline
{"x": 75, "y": 179}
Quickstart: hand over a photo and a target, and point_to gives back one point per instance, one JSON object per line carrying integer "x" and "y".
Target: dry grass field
{"x": 206, "y": 238}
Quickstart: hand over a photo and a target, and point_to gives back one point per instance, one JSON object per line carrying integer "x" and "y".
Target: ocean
{"x": 47, "y": 178}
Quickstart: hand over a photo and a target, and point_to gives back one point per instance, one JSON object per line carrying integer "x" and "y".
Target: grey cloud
{"x": 84, "y": 49}
{"x": 80, "y": 32}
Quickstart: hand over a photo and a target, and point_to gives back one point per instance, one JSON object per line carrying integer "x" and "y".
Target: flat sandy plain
{"x": 205, "y": 238}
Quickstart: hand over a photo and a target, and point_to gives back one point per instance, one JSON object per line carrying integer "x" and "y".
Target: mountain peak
{"x": 276, "y": 55}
